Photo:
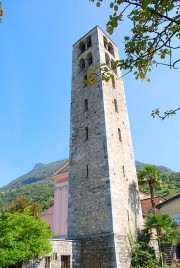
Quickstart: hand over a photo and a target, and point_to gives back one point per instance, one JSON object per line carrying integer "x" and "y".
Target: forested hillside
{"x": 38, "y": 185}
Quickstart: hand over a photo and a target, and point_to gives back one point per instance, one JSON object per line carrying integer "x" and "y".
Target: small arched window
{"x": 105, "y": 42}
{"x": 107, "y": 59}
{"x": 82, "y": 46}
{"x": 110, "y": 48}
{"x": 88, "y": 42}
{"x": 89, "y": 58}
{"x": 82, "y": 64}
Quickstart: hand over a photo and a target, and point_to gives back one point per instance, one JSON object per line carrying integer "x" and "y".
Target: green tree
{"x": 21, "y": 203}
{"x": 22, "y": 237}
{"x": 152, "y": 176}
{"x": 166, "y": 230}
{"x": 152, "y": 40}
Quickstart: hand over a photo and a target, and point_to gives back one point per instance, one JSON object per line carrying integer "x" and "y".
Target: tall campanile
{"x": 104, "y": 206}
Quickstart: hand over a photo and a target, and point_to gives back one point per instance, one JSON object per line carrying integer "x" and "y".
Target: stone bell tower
{"x": 104, "y": 204}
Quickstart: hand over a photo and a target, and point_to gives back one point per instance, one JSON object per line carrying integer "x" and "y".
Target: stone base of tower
{"x": 103, "y": 251}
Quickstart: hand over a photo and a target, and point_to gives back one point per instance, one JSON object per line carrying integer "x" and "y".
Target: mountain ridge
{"x": 38, "y": 184}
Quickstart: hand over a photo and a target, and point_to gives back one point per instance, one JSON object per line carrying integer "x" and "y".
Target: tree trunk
{"x": 152, "y": 195}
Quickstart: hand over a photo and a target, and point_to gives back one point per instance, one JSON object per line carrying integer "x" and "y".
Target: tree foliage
{"x": 164, "y": 230}
{"x": 1, "y": 12}
{"x": 153, "y": 39}
{"x": 22, "y": 203}
{"x": 159, "y": 227}
{"x": 22, "y": 237}
{"x": 154, "y": 33}
{"x": 166, "y": 227}
{"x": 152, "y": 176}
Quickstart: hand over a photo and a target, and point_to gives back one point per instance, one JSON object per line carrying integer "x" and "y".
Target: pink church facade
{"x": 57, "y": 216}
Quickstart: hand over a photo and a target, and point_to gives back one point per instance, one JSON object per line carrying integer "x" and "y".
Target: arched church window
{"x": 82, "y": 47}
{"x": 89, "y": 58}
{"x": 82, "y": 64}
{"x": 88, "y": 42}
{"x": 110, "y": 48}
{"x": 105, "y": 42}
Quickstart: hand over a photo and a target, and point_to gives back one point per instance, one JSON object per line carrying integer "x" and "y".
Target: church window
{"x": 87, "y": 133}
{"x": 82, "y": 64}
{"x": 119, "y": 134}
{"x": 115, "y": 106}
{"x": 88, "y": 42}
{"x": 89, "y": 58}
{"x": 82, "y": 47}
{"x": 110, "y": 48}
{"x": 86, "y": 105}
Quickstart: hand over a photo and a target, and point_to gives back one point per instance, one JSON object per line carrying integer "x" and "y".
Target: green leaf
{"x": 115, "y": 8}
{"x": 111, "y": 5}
{"x": 126, "y": 38}
{"x": 98, "y": 4}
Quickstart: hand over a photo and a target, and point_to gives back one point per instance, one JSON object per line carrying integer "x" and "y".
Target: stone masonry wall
{"x": 89, "y": 197}
{"x": 59, "y": 248}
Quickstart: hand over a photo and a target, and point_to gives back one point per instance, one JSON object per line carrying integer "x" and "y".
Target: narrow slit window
{"x": 119, "y": 134}
{"x": 123, "y": 169}
{"x": 87, "y": 133}
{"x": 85, "y": 80}
{"x": 87, "y": 171}
{"x": 113, "y": 82}
{"x": 115, "y": 106}
{"x": 86, "y": 105}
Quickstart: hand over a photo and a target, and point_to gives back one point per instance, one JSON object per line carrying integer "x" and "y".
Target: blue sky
{"x": 35, "y": 84}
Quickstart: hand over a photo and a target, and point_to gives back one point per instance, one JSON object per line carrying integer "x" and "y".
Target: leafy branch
{"x": 1, "y": 12}
{"x": 156, "y": 113}
{"x": 152, "y": 41}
